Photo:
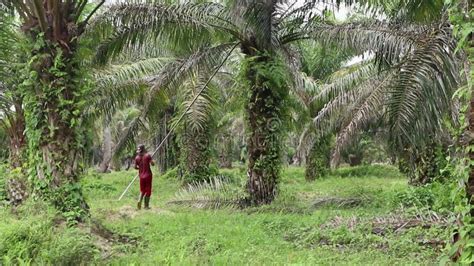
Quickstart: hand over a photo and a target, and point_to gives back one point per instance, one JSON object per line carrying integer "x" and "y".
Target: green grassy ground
{"x": 287, "y": 232}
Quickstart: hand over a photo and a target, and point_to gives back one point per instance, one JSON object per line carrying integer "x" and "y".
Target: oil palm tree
{"x": 197, "y": 129}
{"x": 124, "y": 85}
{"x": 318, "y": 63}
{"x": 355, "y": 111}
{"x": 410, "y": 90}
{"x": 403, "y": 98}
{"x": 54, "y": 88}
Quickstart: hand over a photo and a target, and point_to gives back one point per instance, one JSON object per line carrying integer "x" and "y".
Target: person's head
{"x": 141, "y": 149}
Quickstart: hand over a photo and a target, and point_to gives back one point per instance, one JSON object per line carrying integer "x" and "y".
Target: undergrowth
{"x": 435, "y": 196}
{"x": 386, "y": 222}
{"x": 32, "y": 235}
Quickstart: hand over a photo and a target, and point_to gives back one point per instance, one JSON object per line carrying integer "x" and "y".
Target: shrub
{"x": 202, "y": 174}
{"x": 38, "y": 239}
{"x": 170, "y": 174}
{"x": 434, "y": 196}
{"x": 415, "y": 197}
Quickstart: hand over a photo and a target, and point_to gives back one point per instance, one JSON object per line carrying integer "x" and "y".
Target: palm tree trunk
{"x": 264, "y": 144}
{"x": 107, "y": 153}
{"x": 470, "y": 130}
{"x": 54, "y": 101}
{"x": 17, "y": 142}
{"x": 196, "y": 155}
{"x": 318, "y": 159}
{"x": 470, "y": 182}
{"x": 225, "y": 151}
{"x": 17, "y": 145}
{"x": 56, "y": 154}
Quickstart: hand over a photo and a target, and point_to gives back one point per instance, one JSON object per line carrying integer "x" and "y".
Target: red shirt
{"x": 143, "y": 163}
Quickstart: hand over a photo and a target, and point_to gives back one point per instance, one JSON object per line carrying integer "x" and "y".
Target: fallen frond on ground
{"x": 424, "y": 229}
{"x": 205, "y": 203}
{"x": 216, "y": 193}
{"x": 390, "y": 223}
{"x": 339, "y": 202}
{"x": 397, "y": 223}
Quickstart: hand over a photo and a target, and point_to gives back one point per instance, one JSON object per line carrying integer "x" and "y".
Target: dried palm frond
{"x": 216, "y": 193}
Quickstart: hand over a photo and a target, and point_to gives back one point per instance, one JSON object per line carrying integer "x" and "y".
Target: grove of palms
{"x": 259, "y": 83}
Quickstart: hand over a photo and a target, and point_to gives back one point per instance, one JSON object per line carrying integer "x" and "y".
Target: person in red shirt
{"x": 143, "y": 161}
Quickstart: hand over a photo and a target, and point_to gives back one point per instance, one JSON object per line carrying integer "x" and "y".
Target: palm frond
{"x": 388, "y": 42}
{"x": 421, "y": 95}
{"x": 200, "y": 113}
{"x": 132, "y": 25}
{"x": 127, "y": 138}
{"x": 116, "y": 73}
{"x": 369, "y": 108}
{"x": 344, "y": 80}
{"x": 303, "y": 86}
{"x": 213, "y": 194}
{"x": 5, "y": 102}
{"x": 119, "y": 86}
{"x": 410, "y": 10}
{"x": 108, "y": 99}
{"x": 330, "y": 117}
{"x": 294, "y": 17}
{"x": 180, "y": 70}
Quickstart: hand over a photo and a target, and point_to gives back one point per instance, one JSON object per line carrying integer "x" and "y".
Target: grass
{"x": 289, "y": 231}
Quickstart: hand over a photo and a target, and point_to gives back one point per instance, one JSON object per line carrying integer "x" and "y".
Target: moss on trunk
{"x": 267, "y": 93}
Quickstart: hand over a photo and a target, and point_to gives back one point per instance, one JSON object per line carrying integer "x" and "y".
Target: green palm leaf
{"x": 344, "y": 80}
{"x": 366, "y": 110}
{"x": 133, "y": 25}
{"x": 421, "y": 95}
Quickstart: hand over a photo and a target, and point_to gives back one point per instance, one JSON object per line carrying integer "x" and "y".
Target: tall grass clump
{"x": 32, "y": 234}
